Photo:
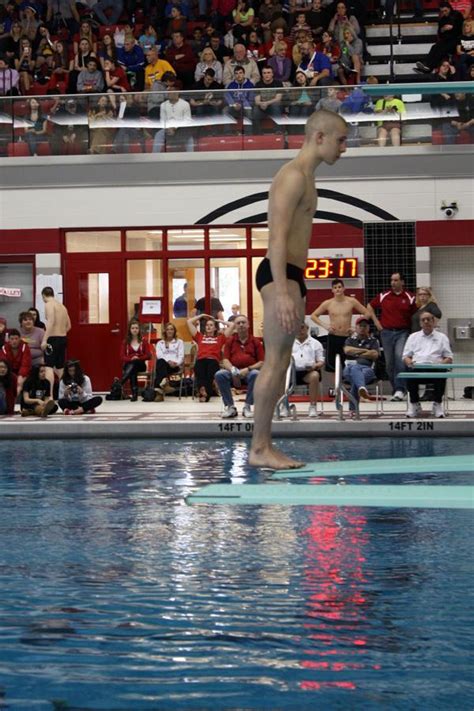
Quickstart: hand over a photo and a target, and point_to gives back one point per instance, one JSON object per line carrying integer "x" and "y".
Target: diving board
{"x": 387, "y": 496}
{"x": 409, "y": 465}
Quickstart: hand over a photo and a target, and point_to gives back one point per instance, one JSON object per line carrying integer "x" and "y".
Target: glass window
{"x": 93, "y": 298}
{"x": 186, "y": 239}
{"x": 16, "y": 290}
{"x": 144, "y": 278}
{"x": 144, "y": 240}
{"x": 93, "y": 241}
{"x": 259, "y": 237}
{"x": 229, "y": 282}
{"x": 185, "y": 286}
{"x": 228, "y": 238}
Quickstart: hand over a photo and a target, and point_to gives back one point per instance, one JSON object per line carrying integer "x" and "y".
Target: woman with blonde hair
{"x": 208, "y": 61}
{"x": 425, "y": 301}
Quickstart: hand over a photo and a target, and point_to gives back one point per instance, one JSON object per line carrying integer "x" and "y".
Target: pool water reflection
{"x": 115, "y": 595}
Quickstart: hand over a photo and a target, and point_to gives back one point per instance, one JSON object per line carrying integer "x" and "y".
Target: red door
{"x": 94, "y": 298}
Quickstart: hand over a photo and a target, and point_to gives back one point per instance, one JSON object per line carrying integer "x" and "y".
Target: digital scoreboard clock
{"x": 338, "y": 268}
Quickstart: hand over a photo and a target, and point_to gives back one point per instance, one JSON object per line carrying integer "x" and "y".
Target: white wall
{"x": 146, "y": 205}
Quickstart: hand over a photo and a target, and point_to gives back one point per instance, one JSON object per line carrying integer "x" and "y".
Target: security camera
{"x": 449, "y": 210}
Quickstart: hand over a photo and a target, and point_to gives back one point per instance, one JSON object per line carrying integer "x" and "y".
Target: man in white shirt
{"x": 427, "y": 346}
{"x": 308, "y": 355}
{"x": 173, "y": 113}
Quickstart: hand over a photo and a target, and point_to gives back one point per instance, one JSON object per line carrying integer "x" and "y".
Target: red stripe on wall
{"x": 29, "y": 241}
{"x": 445, "y": 233}
{"x": 328, "y": 235}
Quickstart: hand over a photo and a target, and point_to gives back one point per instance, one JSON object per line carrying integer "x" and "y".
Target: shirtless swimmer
{"x": 280, "y": 276}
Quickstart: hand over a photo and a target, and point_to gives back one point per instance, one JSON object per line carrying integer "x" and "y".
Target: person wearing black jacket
{"x": 450, "y": 24}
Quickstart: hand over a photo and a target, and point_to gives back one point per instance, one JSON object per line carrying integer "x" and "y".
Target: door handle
{"x": 115, "y": 330}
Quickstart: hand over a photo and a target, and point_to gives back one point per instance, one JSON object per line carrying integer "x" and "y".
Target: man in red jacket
{"x": 181, "y": 57}
{"x": 18, "y": 355}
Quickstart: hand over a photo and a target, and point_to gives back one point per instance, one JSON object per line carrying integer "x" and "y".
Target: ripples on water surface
{"x": 115, "y": 595}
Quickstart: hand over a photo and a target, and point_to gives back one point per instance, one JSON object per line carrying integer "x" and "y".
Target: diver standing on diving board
{"x": 280, "y": 276}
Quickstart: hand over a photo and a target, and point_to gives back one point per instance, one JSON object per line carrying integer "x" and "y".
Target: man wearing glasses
{"x": 427, "y": 346}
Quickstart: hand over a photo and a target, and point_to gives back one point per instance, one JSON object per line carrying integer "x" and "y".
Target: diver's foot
{"x": 272, "y": 458}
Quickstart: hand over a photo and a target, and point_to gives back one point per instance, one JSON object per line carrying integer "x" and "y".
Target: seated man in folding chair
{"x": 361, "y": 351}
{"x": 308, "y": 355}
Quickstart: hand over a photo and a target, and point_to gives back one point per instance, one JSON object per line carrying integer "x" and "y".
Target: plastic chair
{"x": 266, "y": 142}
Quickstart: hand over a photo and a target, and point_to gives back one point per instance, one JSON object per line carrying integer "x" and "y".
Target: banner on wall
{"x": 12, "y": 292}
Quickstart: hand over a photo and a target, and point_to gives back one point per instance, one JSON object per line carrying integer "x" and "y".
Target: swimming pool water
{"x": 115, "y": 595}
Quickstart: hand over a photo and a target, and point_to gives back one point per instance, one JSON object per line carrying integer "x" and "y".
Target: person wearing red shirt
{"x": 18, "y": 355}
{"x": 209, "y": 354}
{"x": 8, "y": 388}
{"x": 134, "y": 353}
{"x": 182, "y": 58}
{"x": 243, "y": 358}
{"x": 396, "y": 307}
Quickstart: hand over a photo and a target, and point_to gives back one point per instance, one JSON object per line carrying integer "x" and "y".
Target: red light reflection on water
{"x": 334, "y": 575}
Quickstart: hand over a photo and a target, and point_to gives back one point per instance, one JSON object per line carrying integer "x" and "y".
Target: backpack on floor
{"x": 116, "y": 391}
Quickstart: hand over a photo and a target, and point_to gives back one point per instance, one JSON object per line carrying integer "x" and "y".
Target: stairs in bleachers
{"x": 416, "y": 38}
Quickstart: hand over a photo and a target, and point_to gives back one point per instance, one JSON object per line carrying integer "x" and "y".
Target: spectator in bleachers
{"x": 465, "y": 49}
{"x": 350, "y": 62}
{"x": 101, "y": 131}
{"x": 75, "y": 395}
{"x": 329, "y": 101}
{"x": 18, "y": 356}
{"x": 270, "y": 11}
{"x": 9, "y": 79}
{"x": 90, "y": 80}
{"x": 38, "y": 322}
{"x": 8, "y": 388}
{"x": 177, "y": 22}
{"x": 134, "y": 353}
{"x": 240, "y": 59}
{"x": 296, "y": 52}
{"x": 315, "y": 65}
{"x": 197, "y": 43}
{"x": 3, "y": 330}
{"x": 243, "y": 17}
{"x": 222, "y": 52}
{"x": 445, "y": 103}
{"x": 174, "y": 111}
{"x": 208, "y": 61}
{"x": 61, "y": 14}
{"x": 36, "y": 130}
{"x": 71, "y": 136}
{"x": 389, "y": 104}
{"x": 281, "y": 64}
{"x": 11, "y": 44}
{"x": 267, "y": 101}
{"x": 108, "y": 49}
{"x": 340, "y": 20}
{"x": 156, "y": 68}
{"x": 331, "y": 49}
{"x": 85, "y": 32}
{"x": 29, "y": 23}
{"x": 238, "y": 98}
{"x": 450, "y": 25}
{"x": 318, "y": 19}
{"x": 169, "y": 357}
{"x": 158, "y": 93}
{"x": 207, "y": 102}
{"x": 183, "y": 5}
{"x": 115, "y": 80}
{"x": 278, "y": 35}
{"x": 465, "y": 106}
{"x": 59, "y": 68}
{"x": 300, "y": 25}
{"x": 132, "y": 59}
{"x": 115, "y": 7}
{"x": 301, "y": 103}
{"x": 148, "y": 38}
{"x": 79, "y": 63}
{"x": 254, "y": 46}
{"x": 25, "y": 65}
{"x": 129, "y": 112}
{"x": 182, "y": 59}
{"x": 221, "y": 12}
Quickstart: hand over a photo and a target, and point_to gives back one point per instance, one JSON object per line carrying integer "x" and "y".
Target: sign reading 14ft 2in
{"x": 327, "y": 268}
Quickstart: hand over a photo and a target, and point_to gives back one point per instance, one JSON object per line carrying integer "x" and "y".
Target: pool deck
{"x": 190, "y": 419}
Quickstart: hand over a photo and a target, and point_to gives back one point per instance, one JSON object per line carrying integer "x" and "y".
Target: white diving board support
{"x": 364, "y": 467}
{"x": 386, "y": 496}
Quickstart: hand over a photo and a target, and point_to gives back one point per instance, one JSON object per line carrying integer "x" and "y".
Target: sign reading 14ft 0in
{"x": 326, "y": 268}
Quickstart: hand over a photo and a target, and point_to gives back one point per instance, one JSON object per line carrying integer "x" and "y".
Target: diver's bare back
{"x": 299, "y": 234}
